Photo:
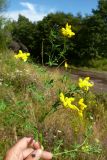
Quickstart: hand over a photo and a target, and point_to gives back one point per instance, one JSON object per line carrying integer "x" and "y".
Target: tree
{"x": 50, "y": 24}
{"x": 23, "y": 31}
{"x": 38, "y": 36}
{"x": 2, "y": 23}
{"x": 91, "y": 39}
{"x": 101, "y": 14}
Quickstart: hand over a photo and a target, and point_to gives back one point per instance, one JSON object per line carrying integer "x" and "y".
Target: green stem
{"x": 57, "y": 154}
{"x": 61, "y": 63}
{"x": 74, "y": 150}
{"x": 64, "y": 49}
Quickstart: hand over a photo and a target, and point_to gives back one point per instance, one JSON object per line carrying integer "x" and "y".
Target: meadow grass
{"x": 30, "y": 106}
{"x": 95, "y": 64}
{"x": 100, "y": 64}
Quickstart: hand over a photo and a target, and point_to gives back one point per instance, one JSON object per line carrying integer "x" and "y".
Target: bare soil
{"x": 99, "y": 79}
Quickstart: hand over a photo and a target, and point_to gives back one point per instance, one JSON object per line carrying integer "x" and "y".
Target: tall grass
{"x": 29, "y": 106}
{"x": 100, "y": 64}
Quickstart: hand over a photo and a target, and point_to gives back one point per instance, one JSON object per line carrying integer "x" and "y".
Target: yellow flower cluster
{"x": 67, "y": 102}
{"x": 23, "y": 56}
{"x": 67, "y": 32}
{"x": 85, "y": 84}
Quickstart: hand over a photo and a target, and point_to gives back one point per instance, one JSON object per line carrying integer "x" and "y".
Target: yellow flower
{"x": 62, "y": 97}
{"x": 28, "y": 54}
{"x": 63, "y": 100}
{"x": 67, "y": 32}
{"x": 16, "y": 56}
{"x": 80, "y": 113}
{"x": 72, "y": 106}
{"x": 23, "y": 56}
{"x": 66, "y": 65}
{"x": 85, "y": 84}
{"x": 87, "y": 78}
{"x": 72, "y": 99}
{"x": 67, "y": 102}
{"x": 82, "y": 105}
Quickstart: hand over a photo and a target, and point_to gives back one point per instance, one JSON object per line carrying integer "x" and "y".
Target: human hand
{"x": 28, "y": 149}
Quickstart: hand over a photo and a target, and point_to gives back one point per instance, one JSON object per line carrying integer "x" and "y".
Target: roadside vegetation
{"x": 67, "y": 117}
{"x": 34, "y": 101}
{"x": 43, "y": 39}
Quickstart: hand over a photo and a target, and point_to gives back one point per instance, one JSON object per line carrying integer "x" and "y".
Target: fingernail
{"x": 37, "y": 145}
{"x": 33, "y": 155}
{"x": 37, "y": 154}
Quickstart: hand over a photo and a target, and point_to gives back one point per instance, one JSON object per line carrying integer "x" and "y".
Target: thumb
{"x": 37, "y": 154}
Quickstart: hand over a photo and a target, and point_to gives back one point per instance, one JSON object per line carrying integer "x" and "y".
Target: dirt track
{"x": 99, "y": 79}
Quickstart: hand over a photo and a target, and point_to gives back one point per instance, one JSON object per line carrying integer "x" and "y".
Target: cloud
{"x": 30, "y": 6}
{"x": 31, "y": 11}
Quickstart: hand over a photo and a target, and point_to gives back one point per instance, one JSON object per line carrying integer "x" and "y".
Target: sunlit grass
{"x": 29, "y": 105}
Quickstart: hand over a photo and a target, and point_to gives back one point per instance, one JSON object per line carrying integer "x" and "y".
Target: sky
{"x": 35, "y": 10}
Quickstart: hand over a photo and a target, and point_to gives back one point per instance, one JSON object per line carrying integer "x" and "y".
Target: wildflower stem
{"x": 61, "y": 63}
{"x": 60, "y": 153}
{"x": 74, "y": 150}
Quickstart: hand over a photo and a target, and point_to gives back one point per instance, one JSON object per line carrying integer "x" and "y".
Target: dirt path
{"x": 99, "y": 79}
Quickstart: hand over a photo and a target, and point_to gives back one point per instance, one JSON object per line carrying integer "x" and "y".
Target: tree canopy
{"x": 43, "y": 38}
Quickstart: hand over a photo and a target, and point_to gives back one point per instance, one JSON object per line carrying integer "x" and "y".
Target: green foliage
{"x": 57, "y": 146}
{"x": 30, "y": 106}
{"x": 45, "y": 43}
{"x": 95, "y": 27}
{"x": 99, "y": 63}
{"x": 4, "y": 33}
{"x": 2, "y": 5}
{"x": 29, "y": 99}
{"x": 23, "y": 29}
{"x": 84, "y": 147}
{"x": 47, "y": 46}
{"x": 44, "y": 36}
{"x": 2, "y": 106}
{"x": 49, "y": 83}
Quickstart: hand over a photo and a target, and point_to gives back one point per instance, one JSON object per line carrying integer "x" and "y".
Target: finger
{"x": 36, "y": 145}
{"x": 36, "y": 155}
{"x": 27, "y": 152}
{"x": 23, "y": 143}
{"x": 46, "y": 155}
